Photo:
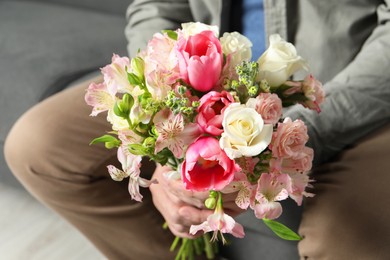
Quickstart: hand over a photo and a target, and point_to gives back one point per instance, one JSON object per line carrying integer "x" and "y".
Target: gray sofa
{"x": 46, "y": 45}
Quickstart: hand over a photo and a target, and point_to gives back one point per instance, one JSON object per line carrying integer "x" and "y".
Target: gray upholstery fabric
{"x": 105, "y": 6}
{"x": 45, "y": 45}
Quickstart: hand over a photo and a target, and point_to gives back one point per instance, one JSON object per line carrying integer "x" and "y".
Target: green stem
{"x": 208, "y": 248}
{"x": 174, "y": 244}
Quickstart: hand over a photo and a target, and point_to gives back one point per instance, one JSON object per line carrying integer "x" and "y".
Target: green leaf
{"x": 104, "y": 139}
{"x": 281, "y": 230}
{"x": 171, "y": 34}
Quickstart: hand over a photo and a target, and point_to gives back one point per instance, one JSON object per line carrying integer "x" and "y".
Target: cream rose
{"x": 279, "y": 62}
{"x": 190, "y": 29}
{"x": 237, "y": 46}
{"x": 245, "y": 133}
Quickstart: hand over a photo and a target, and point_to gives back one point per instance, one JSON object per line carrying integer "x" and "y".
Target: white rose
{"x": 238, "y": 46}
{"x": 245, "y": 133}
{"x": 190, "y": 29}
{"x": 279, "y": 62}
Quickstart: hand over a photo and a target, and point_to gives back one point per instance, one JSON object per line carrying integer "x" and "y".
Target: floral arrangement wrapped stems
{"x": 194, "y": 101}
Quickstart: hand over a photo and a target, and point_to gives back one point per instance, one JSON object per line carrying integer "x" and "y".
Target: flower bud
{"x": 137, "y": 64}
{"x": 210, "y": 203}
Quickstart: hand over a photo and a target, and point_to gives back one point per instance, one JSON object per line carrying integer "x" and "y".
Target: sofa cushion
{"x": 106, "y": 6}
{"x": 44, "y": 47}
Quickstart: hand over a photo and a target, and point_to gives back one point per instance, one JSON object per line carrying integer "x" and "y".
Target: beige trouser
{"x": 48, "y": 151}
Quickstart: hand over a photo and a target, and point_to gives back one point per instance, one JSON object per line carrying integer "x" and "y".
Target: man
{"x": 348, "y": 46}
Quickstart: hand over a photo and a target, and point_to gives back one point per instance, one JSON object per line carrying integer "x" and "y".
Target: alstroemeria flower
{"x": 299, "y": 183}
{"x": 245, "y": 190}
{"x": 161, "y": 66}
{"x": 115, "y": 75}
{"x": 131, "y": 165}
{"x": 99, "y": 98}
{"x": 314, "y": 92}
{"x": 118, "y": 123}
{"x": 173, "y": 133}
{"x": 245, "y": 133}
{"x": 210, "y": 111}
{"x": 206, "y": 166}
{"x": 271, "y": 189}
{"x": 200, "y": 60}
{"x": 219, "y": 222}
{"x": 311, "y": 88}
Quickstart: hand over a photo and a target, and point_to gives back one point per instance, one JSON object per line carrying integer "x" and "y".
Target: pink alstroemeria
{"x": 312, "y": 88}
{"x": 206, "y": 166}
{"x": 161, "y": 66}
{"x": 115, "y": 75}
{"x": 99, "y": 98}
{"x": 245, "y": 190}
{"x": 219, "y": 222}
{"x": 173, "y": 133}
{"x": 271, "y": 189}
{"x": 299, "y": 183}
{"x": 131, "y": 165}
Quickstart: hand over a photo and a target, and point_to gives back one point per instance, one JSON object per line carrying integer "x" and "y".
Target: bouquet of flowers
{"x": 195, "y": 101}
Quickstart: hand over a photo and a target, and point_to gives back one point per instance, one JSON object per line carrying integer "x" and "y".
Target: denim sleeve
{"x": 357, "y": 99}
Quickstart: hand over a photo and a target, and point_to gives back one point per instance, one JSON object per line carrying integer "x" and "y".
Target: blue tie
{"x": 253, "y": 25}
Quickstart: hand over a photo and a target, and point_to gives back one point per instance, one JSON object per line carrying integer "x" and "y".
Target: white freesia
{"x": 279, "y": 62}
{"x": 191, "y": 28}
{"x": 238, "y": 46}
{"x": 245, "y": 133}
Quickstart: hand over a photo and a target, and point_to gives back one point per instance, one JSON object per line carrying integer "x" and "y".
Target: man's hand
{"x": 182, "y": 208}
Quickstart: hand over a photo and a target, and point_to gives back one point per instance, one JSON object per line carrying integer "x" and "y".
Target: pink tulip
{"x": 200, "y": 60}
{"x": 212, "y": 106}
{"x": 206, "y": 166}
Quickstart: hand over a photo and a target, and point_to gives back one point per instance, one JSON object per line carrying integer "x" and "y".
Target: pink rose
{"x": 268, "y": 105}
{"x": 299, "y": 164}
{"x": 210, "y": 111}
{"x": 289, "y": 139}
{"x": 206, "y": 166}
{"x": 200, "y": 60}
